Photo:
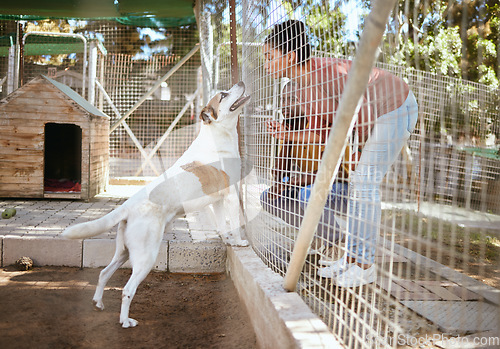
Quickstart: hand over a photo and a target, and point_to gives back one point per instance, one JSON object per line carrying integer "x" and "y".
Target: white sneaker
{"x": 325, "y": 262}
{"x": 334, "y": 269}
{"x": 356, "y": 276}
{"x": 314, "y": 251}
{"x": 326, "y": 257}
{"x": 331, "y": 254}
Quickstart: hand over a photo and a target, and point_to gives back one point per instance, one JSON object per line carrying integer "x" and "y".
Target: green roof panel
{"x": 165, "y": 13}
{"x": 42, "y": 45}
{"x": 98, "y": 8}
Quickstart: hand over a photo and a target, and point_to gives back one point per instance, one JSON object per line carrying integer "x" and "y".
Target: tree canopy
{"x": 453, "y": 38}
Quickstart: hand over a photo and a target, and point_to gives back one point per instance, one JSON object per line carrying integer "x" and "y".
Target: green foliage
{"x": 453, "y": 38}
{"x": 457, "y": 39}
{"x": 436, "y": 54}
{"x": 326, "y": 23}
{"x": 333, "y": 25}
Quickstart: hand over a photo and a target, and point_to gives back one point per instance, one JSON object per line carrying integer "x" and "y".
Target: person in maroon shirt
{"x": 386, "y": 117}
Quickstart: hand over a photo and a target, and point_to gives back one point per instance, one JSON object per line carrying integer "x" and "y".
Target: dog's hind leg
{"x": 139, "y": 273}
{"x": 143, "y": 254}
{"x": 120, "y": 257}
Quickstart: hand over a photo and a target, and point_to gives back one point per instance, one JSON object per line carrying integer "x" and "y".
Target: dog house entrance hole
{"x": 63, "y": 158}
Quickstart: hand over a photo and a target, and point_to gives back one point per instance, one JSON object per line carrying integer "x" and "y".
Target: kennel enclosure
{"x": 54, "y": 144}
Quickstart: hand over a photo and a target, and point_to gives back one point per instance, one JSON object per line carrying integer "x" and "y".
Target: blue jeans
{"x": 388, "y": 137}
{"x": 290, "y": 206}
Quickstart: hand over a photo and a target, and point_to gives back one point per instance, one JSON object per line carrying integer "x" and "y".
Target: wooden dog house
{"x": 53, "y": 143}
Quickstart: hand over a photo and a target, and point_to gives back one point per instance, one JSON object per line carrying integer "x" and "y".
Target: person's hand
{"x": 295, "y": 181}
{"x": 277, "y": 190}
{"x": 277, "y": 129}
{"x": 303, "y": 179}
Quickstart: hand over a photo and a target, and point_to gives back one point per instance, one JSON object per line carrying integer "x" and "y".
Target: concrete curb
{"x": 42, "y": 250}
{"x": 280, "y": 319}
{"x": 175, "y": 256}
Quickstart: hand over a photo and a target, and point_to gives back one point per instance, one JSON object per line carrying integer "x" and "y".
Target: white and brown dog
{"x": 205, "y": 174}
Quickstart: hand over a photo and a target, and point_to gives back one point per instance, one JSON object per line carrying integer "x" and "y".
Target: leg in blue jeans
{"x": 336, "y": 202}
{"x": 291, "y": 204}
{"x": 285, "y": 205}
{"x": 389, "y": 135}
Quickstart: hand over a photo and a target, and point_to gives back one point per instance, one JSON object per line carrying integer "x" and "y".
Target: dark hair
{"x": 290, "y": 36}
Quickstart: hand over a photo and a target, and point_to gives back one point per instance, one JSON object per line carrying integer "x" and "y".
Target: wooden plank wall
{"x": 99, "y": 155}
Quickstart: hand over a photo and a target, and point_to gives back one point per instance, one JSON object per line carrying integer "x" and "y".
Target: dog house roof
{"x": 70, "y": 93}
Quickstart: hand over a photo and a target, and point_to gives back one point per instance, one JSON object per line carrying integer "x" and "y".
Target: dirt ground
{"x": 51, "y": 307}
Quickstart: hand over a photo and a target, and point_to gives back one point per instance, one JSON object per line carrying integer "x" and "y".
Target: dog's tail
{"x": 95, "y": 227}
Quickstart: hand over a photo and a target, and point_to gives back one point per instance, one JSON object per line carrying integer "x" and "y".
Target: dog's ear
{"x": 208, "y": 114}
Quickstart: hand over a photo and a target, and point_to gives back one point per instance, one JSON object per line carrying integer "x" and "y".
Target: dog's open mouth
{"x": 239, "y": 102}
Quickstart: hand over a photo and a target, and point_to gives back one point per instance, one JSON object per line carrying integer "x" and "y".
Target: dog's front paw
{"x": 234, "y": 238}
{"x": 239, "y": 243}
{"x": 129, "y": 323}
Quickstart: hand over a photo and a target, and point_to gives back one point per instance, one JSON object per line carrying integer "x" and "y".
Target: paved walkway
{"x": 466, "y": 311}
{"x": 453, "y": 214}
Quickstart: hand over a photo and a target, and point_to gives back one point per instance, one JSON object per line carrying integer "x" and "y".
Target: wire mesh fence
{"x": 436, "y": 254}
